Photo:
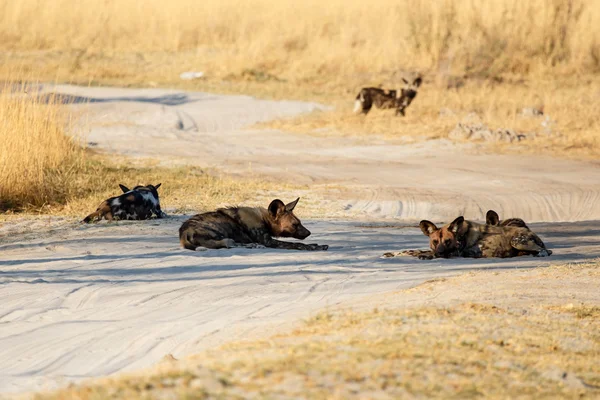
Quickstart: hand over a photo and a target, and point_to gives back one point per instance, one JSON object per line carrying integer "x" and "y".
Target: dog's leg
{"x": 421, "y": 254}
{"x": 530, "y": 243}
{"x": 278, "y": 244}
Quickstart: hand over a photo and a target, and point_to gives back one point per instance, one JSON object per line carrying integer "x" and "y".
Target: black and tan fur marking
{"x": 383, "y": 99}
{"x": 137, "y": 204}
{"x": 492, "y": 218}
{"x": 246, "y": 227}
{"x": 462, "y": 238}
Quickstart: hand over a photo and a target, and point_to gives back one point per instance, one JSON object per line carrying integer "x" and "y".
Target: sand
{"x": 88, "y": 301}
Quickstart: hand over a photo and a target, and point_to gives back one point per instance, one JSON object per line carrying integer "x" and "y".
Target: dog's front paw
{"x": 544, "y": 253}
{"x": 315, "y": 247}
{"x": 425, "y": 257}
{"x": 389, "y": 255}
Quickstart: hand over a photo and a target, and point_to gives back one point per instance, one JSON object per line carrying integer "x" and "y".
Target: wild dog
{"x": 246, "y": 227}
{"x": 387, "y": 99}
{"x": 492, "y": 218}
{"x": 462, "y": 238}
{"x": 139, "y": 203}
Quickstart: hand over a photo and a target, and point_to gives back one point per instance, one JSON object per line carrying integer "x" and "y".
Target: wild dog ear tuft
{"x": 157, "y": 186}
{"x": 124, "y": 188}
{"x": 276, "y": 207}
{"x": 427, "y": 227}
{"x": 290, "y": 206}
{"x": 417, "y": 82}
{"x": 492, "y": 218}
{"x": 456, "y": 224}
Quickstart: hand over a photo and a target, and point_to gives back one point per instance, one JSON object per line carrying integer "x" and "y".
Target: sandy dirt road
{"x": 84, "y": 301}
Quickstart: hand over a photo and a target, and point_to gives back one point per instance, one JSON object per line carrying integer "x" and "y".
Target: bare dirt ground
{"x": 86, "y": 301}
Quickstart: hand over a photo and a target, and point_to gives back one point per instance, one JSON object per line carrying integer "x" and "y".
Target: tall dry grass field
{"x": 37, "y": 154}
{"x": 311, "y": 41}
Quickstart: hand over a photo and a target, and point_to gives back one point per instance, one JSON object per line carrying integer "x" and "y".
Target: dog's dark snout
{"x": 302, "y": 233}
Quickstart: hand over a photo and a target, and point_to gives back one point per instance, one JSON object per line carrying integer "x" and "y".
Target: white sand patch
{"x": 93, "y": 300}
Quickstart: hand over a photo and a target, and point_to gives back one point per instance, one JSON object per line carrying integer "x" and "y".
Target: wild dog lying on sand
{"x": 246, "y": 227}
{"x": 139, "y": 203}
{"x": 492, "y": 218}
{"x": 387, "y": 99}
{"x": 462, "y": 238}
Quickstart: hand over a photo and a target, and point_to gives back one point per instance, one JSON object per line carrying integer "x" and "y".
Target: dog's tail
{"x": 186, "y": 237}
{"x": 95, "y": 215}
{"x": 358, "y": 102}
{"x": 101, "y": 211}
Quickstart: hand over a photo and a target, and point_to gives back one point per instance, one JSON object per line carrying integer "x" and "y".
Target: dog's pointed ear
{"x": 405, "y": 81}
{"x": 124, "y": 188}
{"x": 276, "y": 208}
{"x": 456, "y": 224}
{"x": 427, "y": 227}
{"x": 157, "y": 186}
{"x": 290, "y": 206}
{"x": 417, "y": 82}
{"x": 492, "y": 218}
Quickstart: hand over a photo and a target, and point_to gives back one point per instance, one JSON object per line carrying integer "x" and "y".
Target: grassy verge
{"x": 184, "y": 189}
{"x": 484, "y": 334}
{"x": 568, "y": 127}
{"x": 44, "y": 168}
{"x": 36, "y": 153}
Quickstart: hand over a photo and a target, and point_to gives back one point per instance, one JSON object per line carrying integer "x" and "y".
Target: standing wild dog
{"x": 136, "y": 204}
{"x": 492, "y": 218}
{"x": 246, "y": 227}
{"x": 462, "y": 238}
{"x": 387, "y": 99}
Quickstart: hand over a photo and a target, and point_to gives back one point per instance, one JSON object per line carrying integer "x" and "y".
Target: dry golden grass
{"x": 308, "y": 41}
{"x": 547, "y": 51}
{"x": 183, "y": 189}
{"x": 37, "y": 156}
{"x": 525, "y": 341}
{"x": 569, "y": 126}
{"x": 44, "y": 170}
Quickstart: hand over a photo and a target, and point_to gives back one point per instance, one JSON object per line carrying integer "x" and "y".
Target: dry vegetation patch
{"x": 37, "y": 156}
{"x": 497, "y": 346}
{"x": 492, "y": 58}
{"x": 45, "y": 169}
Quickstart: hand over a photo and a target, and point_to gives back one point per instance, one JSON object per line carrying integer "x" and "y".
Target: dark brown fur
{"x": 469, "y": 239}
{"x": 492, "y": 218}
{"x": 246, "y": 227}
{"x": 383, "y": 99}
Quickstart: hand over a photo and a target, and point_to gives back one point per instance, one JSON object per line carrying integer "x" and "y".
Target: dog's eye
{"x": 447, "y": 242}
{"x": 435, "y": 242}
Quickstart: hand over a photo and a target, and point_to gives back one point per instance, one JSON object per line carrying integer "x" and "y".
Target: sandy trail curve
{"x": 84, "y": 301}
{"x": 435, "y": 178}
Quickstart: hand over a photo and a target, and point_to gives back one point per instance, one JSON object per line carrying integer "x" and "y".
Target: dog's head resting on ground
{"x": 444, "y": 241}
{"x": 283, "y": 223}
{"x": 492, "y": 218}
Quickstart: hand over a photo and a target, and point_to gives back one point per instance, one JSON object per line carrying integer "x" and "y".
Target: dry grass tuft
{"x": 499, "y": 347}
{"x": 37, "y": 156}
